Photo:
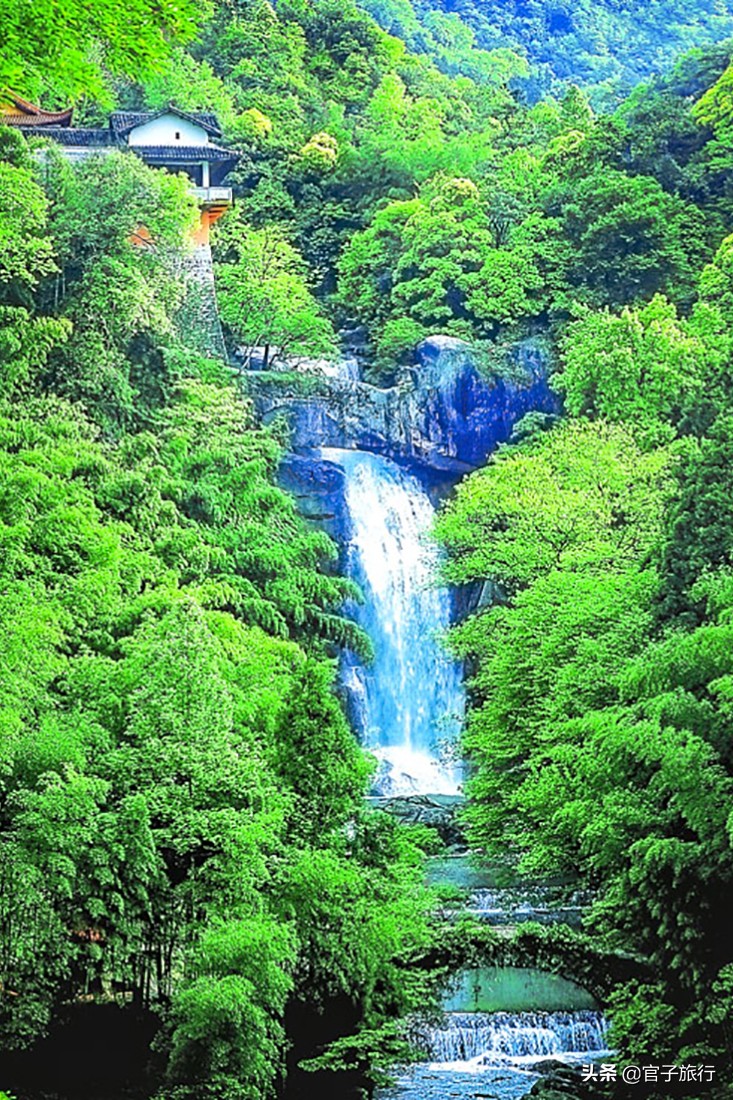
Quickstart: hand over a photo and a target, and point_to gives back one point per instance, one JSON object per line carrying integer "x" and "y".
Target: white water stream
{"x": 408, "y": 705}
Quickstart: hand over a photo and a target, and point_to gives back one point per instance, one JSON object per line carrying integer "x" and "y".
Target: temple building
{"x": 179, "y": 141}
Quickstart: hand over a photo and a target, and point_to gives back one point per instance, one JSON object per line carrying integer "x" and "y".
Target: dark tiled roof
{"x": 180, "y": 154}
{"x": 71, "y": 136}
{"x": 124, "y": 121}
{"x": 55, "y": 118}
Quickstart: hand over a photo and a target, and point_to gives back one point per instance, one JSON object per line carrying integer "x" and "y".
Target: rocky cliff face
{"x": 443, "y": 416}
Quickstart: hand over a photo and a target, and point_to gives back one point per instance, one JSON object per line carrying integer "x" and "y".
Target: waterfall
{"x": 409, "y": 703}
{"x": 486, "y": 1038}
{"x": 541, "y": 903}
{"x": 342, "y": 370}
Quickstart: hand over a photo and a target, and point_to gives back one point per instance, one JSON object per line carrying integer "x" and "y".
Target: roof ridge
{"x": 197, "y": 117}
{"x": 18, "y": 101}
{"x": 15, "y": 100}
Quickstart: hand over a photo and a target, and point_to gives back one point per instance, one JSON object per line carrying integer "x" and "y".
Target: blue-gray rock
{"x": 444, "y": 415}
{"x": 318, "y": 487}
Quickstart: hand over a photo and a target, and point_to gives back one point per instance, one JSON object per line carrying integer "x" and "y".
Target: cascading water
{"x": 408, "y": 704}
{"x": 407, "y": 707}
{"x": 475, "y": 1039}
{"x": 495, "y": 1055}
{"x": 538, "y": 903}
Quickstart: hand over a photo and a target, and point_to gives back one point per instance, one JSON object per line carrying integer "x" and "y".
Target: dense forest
{"x": 182, "y": 815}
{"x": 607, "y": 46}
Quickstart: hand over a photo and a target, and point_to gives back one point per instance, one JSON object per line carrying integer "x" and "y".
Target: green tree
{"x": 70, "y": 49}
{"x": 26, "y": 252}
{"x": 630, "y": 238}
{"x": 318, "y": 758}
{"x": 646, "y": 367}
{"x": 265, "y": 300}
{"x": 583, "y": 496}
{"x": 121, "y": 297}
{"x": 715, "y": 107}
{"x": 699, "y": 523}
{"x": 228, "y": 1035}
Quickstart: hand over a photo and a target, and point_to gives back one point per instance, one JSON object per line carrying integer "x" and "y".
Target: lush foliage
{"x": 409, "y": 189}
{"x": 69, "y": 49}
{"x": 264, "y": 296}
{"x": 603, "y": 44}
{"x": 599, "y": 729}
{"x": 181, "y": 798}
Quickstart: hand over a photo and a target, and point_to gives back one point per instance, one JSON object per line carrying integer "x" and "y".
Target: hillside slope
{"x": 607, "y": 44}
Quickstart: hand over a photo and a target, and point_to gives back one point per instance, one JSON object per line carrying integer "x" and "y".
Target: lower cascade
{"x": 497, "y": 1055}
{"x": 408, "y": 704}
{"x": 478, "y": 1038}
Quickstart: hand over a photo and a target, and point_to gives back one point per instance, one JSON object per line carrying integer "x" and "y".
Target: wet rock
{"x": 548, "y": 1066}
{"x": 318, "y": 487}
{"x": 565, "y": 1082}
{"x": 436, "y": 811}
{"x": 443, "y": 415}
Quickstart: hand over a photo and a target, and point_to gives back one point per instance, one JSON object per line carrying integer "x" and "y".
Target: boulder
{"x": 564, "y": 1082}
{"x": 439, "y": 812}
{"x": 548, "y": 1066}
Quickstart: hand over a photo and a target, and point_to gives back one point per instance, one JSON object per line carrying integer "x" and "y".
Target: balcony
{"x": 213, "y": 196}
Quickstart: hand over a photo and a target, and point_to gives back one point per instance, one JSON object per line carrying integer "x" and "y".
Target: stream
{"x": 408, "y": 707}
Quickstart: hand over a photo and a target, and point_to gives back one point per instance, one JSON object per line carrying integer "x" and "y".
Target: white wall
{"x": 163, "y": 130}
